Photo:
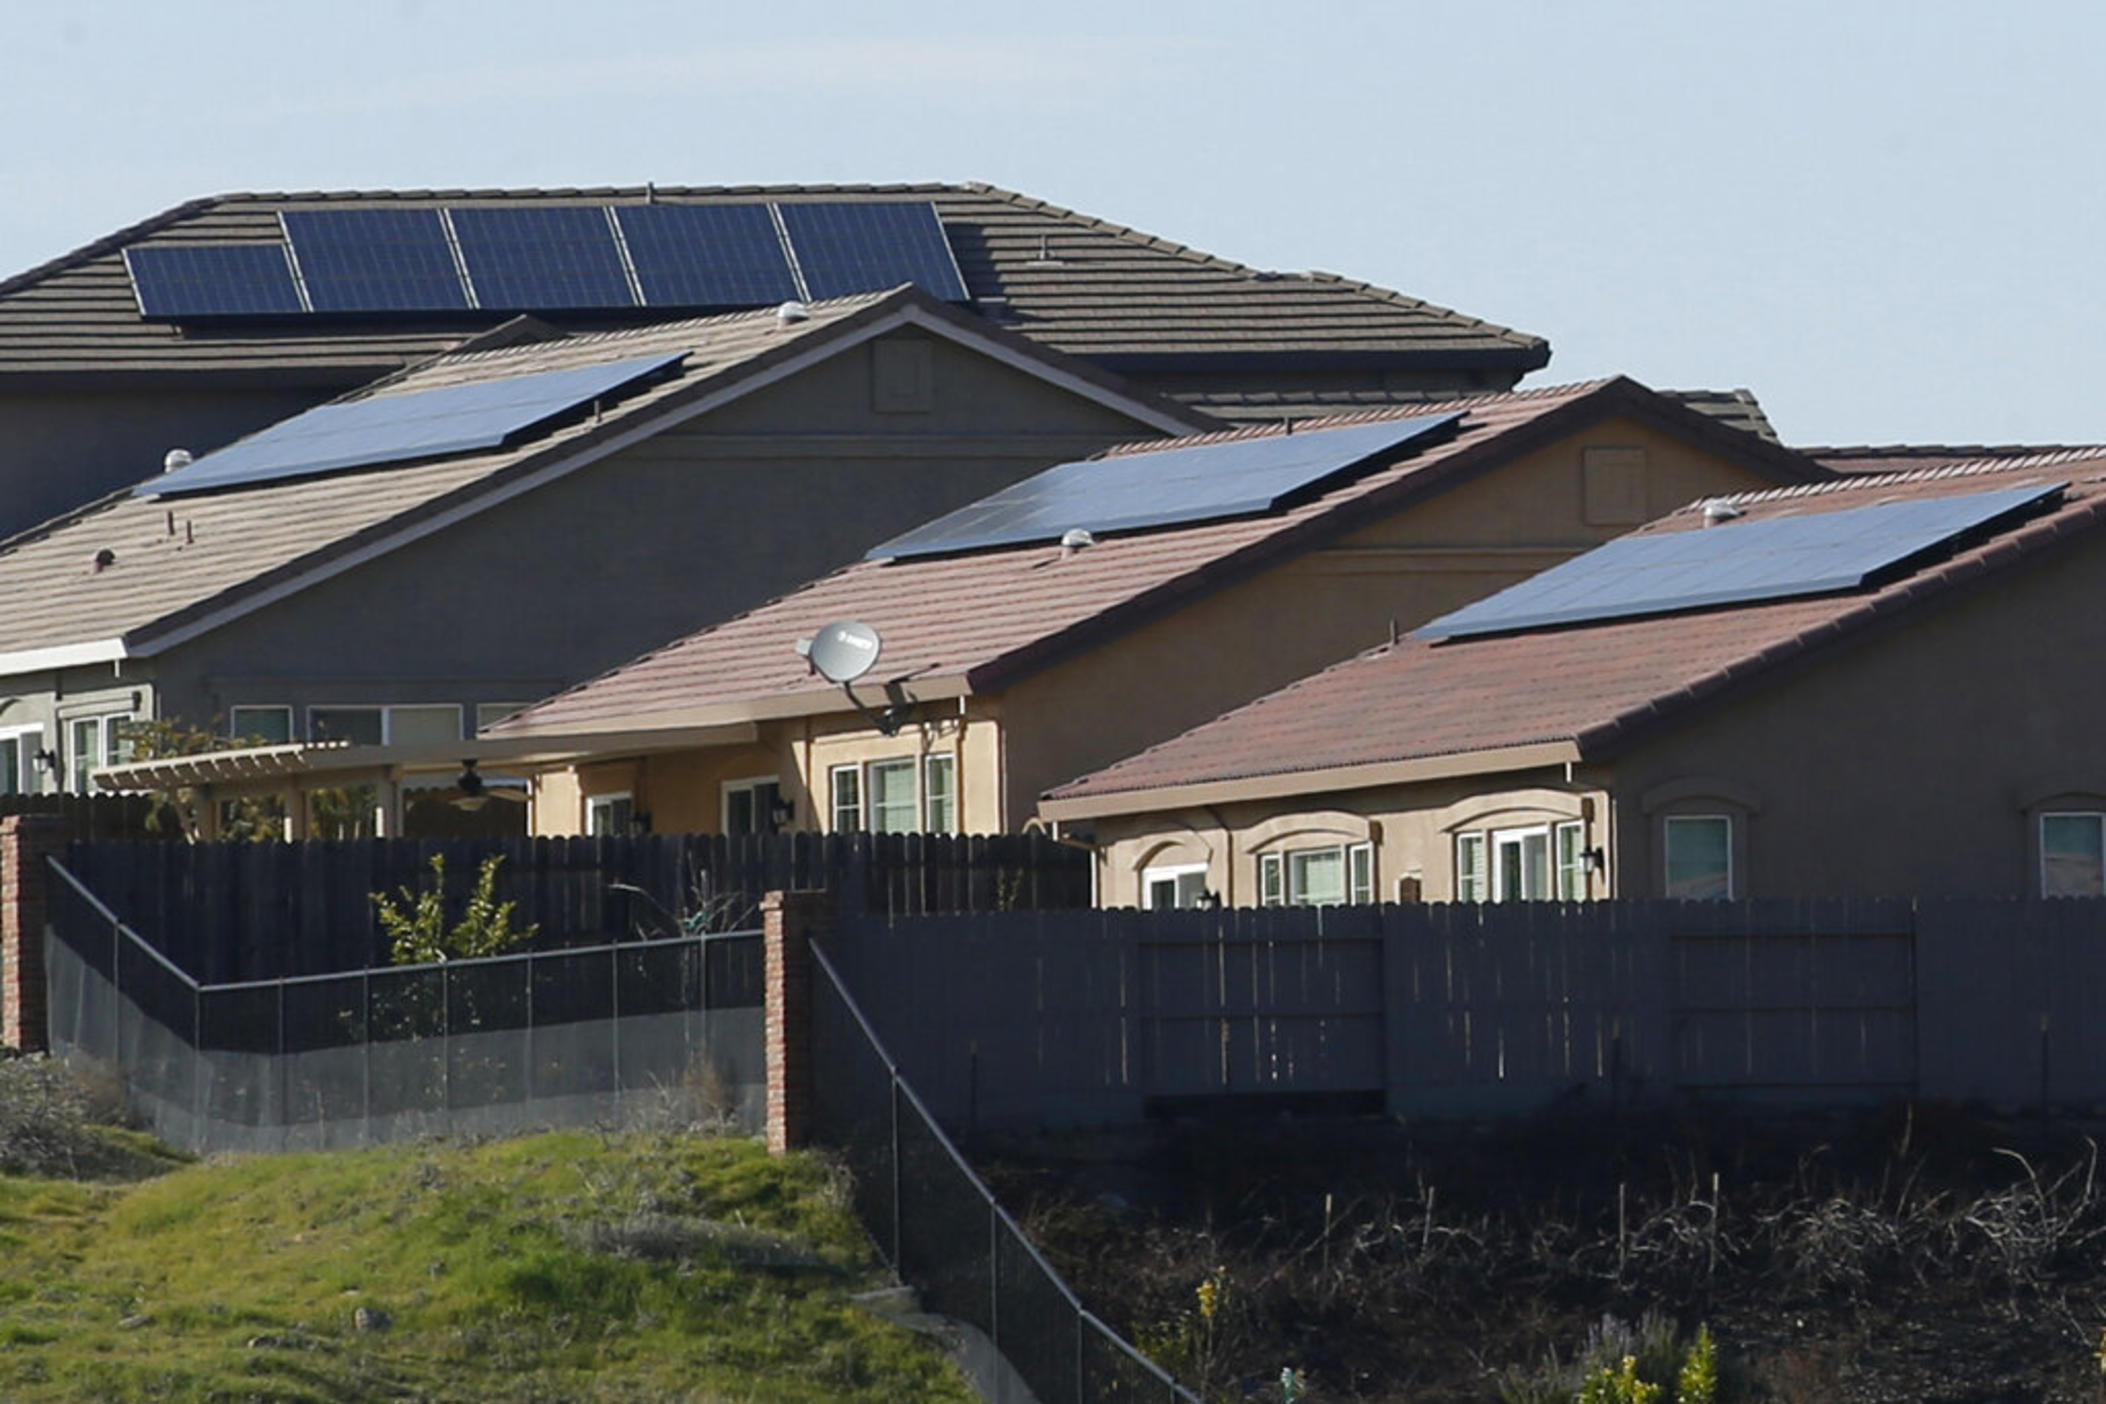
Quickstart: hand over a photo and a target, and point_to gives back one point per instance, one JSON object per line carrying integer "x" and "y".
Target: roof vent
{"x": 104, "y": 559}
{"x": 1075, "y": 538}
{"x": 176, "y": 458}
{"x": 792, "y": 312}
{"x": 1719, "y": 510}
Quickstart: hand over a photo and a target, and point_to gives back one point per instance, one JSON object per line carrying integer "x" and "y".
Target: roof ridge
{"x": 107, "y": 244}
{"x": 1968, "y": 451}
{"x": 1873, "y": 481}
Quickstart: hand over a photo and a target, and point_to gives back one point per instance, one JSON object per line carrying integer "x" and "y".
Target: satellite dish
{"x": 844, "y": 651}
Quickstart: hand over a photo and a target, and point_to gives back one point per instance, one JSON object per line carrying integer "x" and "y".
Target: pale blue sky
{"x": 1884, "y": 218}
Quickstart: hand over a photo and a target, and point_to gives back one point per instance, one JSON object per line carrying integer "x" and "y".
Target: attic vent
{"x": 104, "y": 559}
{"x": 1719, "y": 510}
{"x": 1075, "y": 539}
{"x": 176, "y": 458}
{"x": 792, "y": 312}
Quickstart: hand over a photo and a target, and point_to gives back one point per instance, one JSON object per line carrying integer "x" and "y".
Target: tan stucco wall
{"x": 1412, "y": 829}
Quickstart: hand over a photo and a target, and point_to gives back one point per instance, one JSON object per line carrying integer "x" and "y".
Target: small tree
{"x": 253, "y": 819}
{"x": 417, "y": 921}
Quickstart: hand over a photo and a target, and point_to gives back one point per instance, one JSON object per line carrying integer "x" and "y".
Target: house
{"x": 516, "y": 514}
{"x": 1015, "y": 649}
{"x": 226, "y": 314}
{"x": 1882, "y": 685}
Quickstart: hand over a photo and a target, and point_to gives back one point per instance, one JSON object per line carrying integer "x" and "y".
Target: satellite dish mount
{"x": 845, "y": 651}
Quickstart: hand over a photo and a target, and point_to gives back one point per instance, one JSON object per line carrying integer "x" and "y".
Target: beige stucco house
{"x": 1011, "y": 666}
{"x": 1886, "y": 686}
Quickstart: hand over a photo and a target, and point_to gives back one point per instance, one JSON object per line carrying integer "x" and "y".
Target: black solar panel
{"x": 402, "y": 427}
{"x": 179, "y": 281}
{"x": 375, "y": 260}
{"x": 845, "y": 248}
{"x": 538, "y": 259}
{"x": 1733, "y": 562}
{"x": 707, "y": 255}
{"x": 1170, "y": 487}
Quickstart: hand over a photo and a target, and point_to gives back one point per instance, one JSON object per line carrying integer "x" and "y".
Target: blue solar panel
{"x": 375, "y": 260}
{"x": 1170, "y": 487}
{"x": 177, "y": 281}
{"x": 707, "y": 255}
{"x": 398, "y": 428}
{"x": 1733, "y": 563}
{"x": 846, "y": 248}
{"x": 537, "y": 259}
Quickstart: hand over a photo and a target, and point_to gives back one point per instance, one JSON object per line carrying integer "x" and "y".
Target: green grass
{"x": 556, "y": 1267}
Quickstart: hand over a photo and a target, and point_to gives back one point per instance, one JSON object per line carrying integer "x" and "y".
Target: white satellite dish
{"x": 844, "y": 651}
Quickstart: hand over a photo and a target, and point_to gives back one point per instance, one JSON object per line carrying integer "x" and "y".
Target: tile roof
{"x": 1903, "y": 458}
{"x": 1082, "y": 285}
{"x": 978, "y": 620}
{"x": 1593, "y": 686}
{"x": 1738, "y": 408}
{"x": 175, "y": 561}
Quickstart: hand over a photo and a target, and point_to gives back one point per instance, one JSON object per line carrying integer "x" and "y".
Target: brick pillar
{"x": 789, "y": 920}
{"x": 26, "y": 841}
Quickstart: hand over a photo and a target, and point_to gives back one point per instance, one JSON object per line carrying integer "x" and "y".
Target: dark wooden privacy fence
{"x": 1102, "y": 1017}
{"x": 234, "y": 911}
{"x": 95, "y": 816}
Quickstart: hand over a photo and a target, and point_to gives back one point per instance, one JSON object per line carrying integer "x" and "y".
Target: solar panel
{"x": 375, "y": 260}
{"x": 845, "y": 248}
{"x": 707, "y": 255}
{"x": 1771, "y": 558}
{"x": 535, "y": 259}
{"x": 177, "y": 281}
{"x": 1170, "y": 487}
{"x": 398, "y": 428}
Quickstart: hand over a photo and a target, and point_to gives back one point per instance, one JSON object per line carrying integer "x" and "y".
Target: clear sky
{"x": 1884, "y": 218}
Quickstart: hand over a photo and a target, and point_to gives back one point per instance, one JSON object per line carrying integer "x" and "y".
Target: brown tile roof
{"x": 1079, "y": 284}
{"x": 1592, "y": 686}
{"x": 979, "y": 620}
{"x": 180, "y": 560}
{"x": 1903, "y": 458}
{"x": 1738, "y": 408}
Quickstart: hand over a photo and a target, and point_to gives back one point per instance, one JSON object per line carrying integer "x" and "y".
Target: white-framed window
{"x": 1171, "y": 885}
{"x": 749, "y": 805}
{"x": 610, "y": 816}
{"x": 1570, "y": 841}
{"x": 2072, "y": 854}
{"x": 1317, "y": 877}
{"x": 1697, "y": 856}
{"x": 1472, "y": 882}
{"x": 1521, "y": 864}
{"x": 18, "y": 768}
{"x": 393, "y": 724}
{"x": 895, "y": 795}
{"x": 263, "y": 726}
{"x": 91, "y": 744}
{"x": 939, "y": 792}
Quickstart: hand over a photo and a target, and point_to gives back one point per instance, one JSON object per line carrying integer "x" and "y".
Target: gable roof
{"x": 979, "y": 620}
{"x": 1424, "y": 708}
{"x": 178, "y": 566}
{"x": 1082, "y": 285}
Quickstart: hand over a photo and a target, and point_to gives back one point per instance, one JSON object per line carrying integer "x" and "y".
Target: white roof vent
{"x": 176, "y": 458}
{"x": 792, "y": 312}
{"x": 1719, "y": 510}
{"x": 1075, "y": 538}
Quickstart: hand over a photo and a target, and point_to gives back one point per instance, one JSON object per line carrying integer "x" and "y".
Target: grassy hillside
{"x": 558, "y": 1267}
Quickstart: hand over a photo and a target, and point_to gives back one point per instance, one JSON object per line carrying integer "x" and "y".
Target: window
{"x": 263, "y": 726}
{"x": 96, "y": 742}
{"x": 939, "y": 792}
{"x": 1317, "y": 877}
{"x": 488, "y": 712}
{"x": 895, "y": 806}
{"x": 610, "y": 816}
{"x": 2073, "y": 855}
{"x": 1698, "y": 852}
{"x": 1521, "y": 865}
{"x": 423, "y": 725}
{"x": 749, "y": 805}
{"x": 1471, "y": 883}
{"x": 18, "y": 750}
{"x": 1173, "y": 885}
{"x": 900, "y": 795}
{"x": 1572, "y": 862}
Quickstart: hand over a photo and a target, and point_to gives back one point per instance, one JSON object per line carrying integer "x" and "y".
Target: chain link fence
{"x": 588, "y": 1035}
{"x": 942, "y": 1230}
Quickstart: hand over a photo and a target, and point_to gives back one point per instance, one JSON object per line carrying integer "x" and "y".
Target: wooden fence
{"x": 1104, "y": 1017}
{"x": 95, "y": 816}
{"x": 229, "y": 912}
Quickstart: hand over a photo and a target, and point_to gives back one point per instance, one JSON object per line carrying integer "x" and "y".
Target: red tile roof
{"x": 977, "y": 621}
{"x": 1590, "y": 686}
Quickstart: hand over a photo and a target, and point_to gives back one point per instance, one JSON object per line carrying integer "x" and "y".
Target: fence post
{"x": 789, "y": 920}
{"x": 27, "y": 843}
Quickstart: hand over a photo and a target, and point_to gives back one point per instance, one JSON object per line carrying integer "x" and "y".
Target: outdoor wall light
{"x": 46, "y": 760}
{"x": 1597, "y": 860}
{"x": 782, "y": 813}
